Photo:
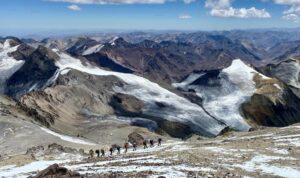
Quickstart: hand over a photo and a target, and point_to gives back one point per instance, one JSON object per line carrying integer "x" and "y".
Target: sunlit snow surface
{"x": 259, "y": 162}
{"x": 118, "y": 163}
{"x": 93, "y": 49}
{"x": 13, "y": 171}
{"x": 8, "y": 65}
{"x": 176, "y": 108}
{"x": 20, "y": 172}
{"x": 222, "y": 97}
{"x": 68, "y": 138}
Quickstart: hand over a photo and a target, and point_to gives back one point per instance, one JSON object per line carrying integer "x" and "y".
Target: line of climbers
{"x": 101, "y": 153}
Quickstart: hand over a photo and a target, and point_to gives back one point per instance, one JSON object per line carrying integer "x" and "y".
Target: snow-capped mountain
{"x": 161, "y": 86}
{"x": 8, "y": 65}
{"x": 57, "y": 95}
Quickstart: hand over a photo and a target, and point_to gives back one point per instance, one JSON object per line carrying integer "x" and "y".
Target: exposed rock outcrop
{"x": 56, "y": 171}
{"x": 38, "y": 69}
{"x": 273, "y": 104}
{"x": 135, "y": 137}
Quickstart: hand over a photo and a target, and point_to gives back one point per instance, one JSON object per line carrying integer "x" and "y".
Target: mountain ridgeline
{"x": 179, "y": 85}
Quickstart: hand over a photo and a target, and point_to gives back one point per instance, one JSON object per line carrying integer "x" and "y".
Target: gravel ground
{"x": 271, "y": 152}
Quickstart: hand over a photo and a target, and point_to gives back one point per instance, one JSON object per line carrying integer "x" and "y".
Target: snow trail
{"x": 68, "y": 138}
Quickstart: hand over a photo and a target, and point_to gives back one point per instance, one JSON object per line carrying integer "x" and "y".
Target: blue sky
{"x": 36, "y": 16}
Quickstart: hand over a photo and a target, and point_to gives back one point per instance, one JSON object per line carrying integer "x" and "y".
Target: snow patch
{"x": 190, "y": 79}
{"x": 251, "y": 137}
{"x": 22, "y": 171}
{"x": 260, "y": 163}
{"x": 288, "y": 140}
{"x": 33, "y": 87}
{"x": 93, "y": 49}
{"x": 280, "y": 151}
{"x": 28, "y": 169}
{"x": 68, "y": 138}
{"x": 174, "y": 170}
{"x": 8, "y": 65}
{"x": 64, "y": 72}
{"x": 277, "y": 86}
{"x": 112, "y": 42}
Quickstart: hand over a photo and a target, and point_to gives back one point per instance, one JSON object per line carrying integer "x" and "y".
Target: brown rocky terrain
{"x": 268, "y": 152}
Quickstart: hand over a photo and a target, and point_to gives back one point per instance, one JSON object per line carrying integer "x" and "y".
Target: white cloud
{"x": 188, "y": 1}
{"x": 293, "y": 13}
{"x": 293, "y": 9}
{"x": 74, "y": 7}
{"x": 223, "y": 8}
{"x": 184, "y": 16}
{"x": 240, "y": 13}
{"x": 218, "y": 4}
{"x": 287, "y": 2}
{"x": 293, "y": 17}
{"x": 114, "y": 1}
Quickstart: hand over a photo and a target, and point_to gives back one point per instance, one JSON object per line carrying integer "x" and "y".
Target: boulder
{"x": 36, "y": 150}
{"x": 135, "y": 137}
{"x": 56, "y": 171}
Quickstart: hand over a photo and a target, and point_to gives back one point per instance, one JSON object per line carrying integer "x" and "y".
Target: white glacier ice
{"x": 190, "y": 79}
{"x": 93, "y": 49}
{"x": 223, "y": 96}
{"x": 112, "y": 42}
{"x": 176, "y": 108}
{"x": 8, "y": 65}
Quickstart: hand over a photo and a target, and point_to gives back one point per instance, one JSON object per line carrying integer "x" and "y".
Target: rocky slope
{"x": 169, "y": 61}
{"x": 287, "y": 71}
{"x": 264, "y": 153}
{"x": 89, "y": 94}
{"x": 63, "y": 92}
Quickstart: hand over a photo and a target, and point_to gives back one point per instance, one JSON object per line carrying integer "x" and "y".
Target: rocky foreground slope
{"x": 264, "y": 153}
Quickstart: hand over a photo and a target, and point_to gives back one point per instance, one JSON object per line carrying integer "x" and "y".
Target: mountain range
{"x": 204, "y": 83}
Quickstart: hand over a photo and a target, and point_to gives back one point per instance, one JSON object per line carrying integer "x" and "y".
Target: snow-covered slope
{"x": 93, "y": 49}
{"x": 8, "y": 65}
{"x": 176, "y": 108}
{"x": 112, "y": 42}
{"x": 68, "y": 138}
{"x": 222, "y": 96}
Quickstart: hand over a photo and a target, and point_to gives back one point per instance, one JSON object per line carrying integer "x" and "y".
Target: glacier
{"x": 8, "y": 65}
{"x": 176, "y": 108}
{"x": 223, "y": 96}
{"x": 93, "y": 49}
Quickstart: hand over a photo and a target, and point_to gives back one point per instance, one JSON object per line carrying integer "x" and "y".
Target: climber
{"x": 151, "y": 143}
{"x": 111, "y": 150}
{"x": 134, "y": 146}
{"x": 91, "y": 152}
{"x": 145, "y": 144}
{"x": 102, "y": 153}
{"x": 98, "y": 153}
{"x": 119, "y": 149}
{"x": 159, "y": 141}
{"x": 126, "y": 145}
